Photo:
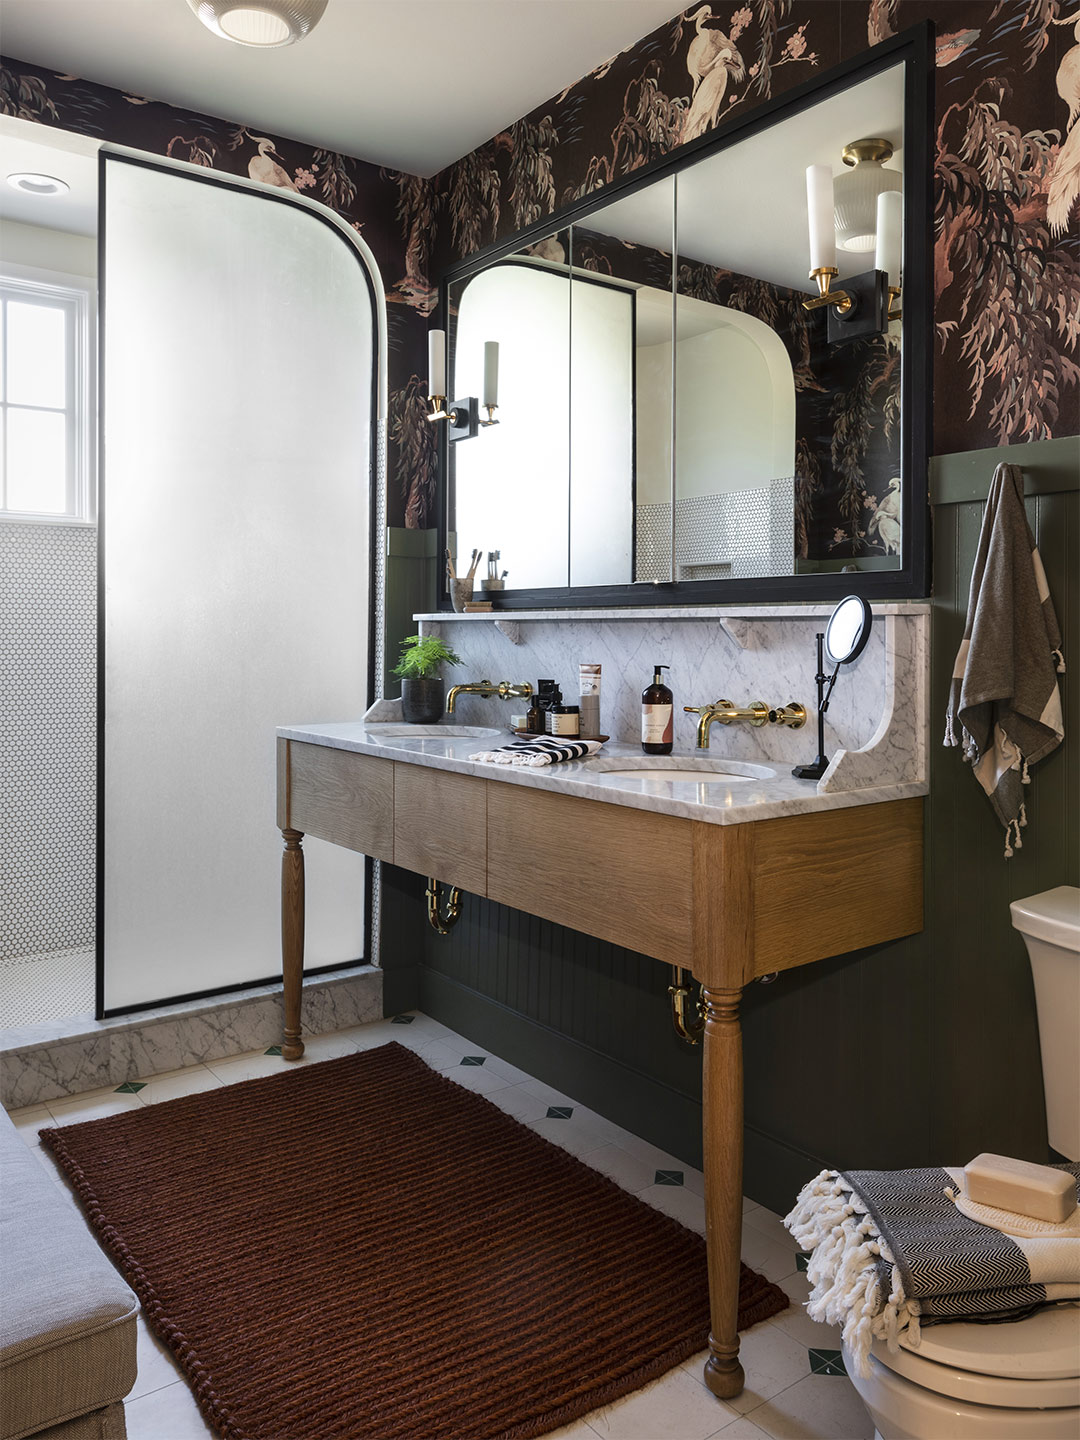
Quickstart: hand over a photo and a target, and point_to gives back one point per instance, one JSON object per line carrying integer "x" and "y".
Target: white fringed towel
{"x": 891, "y": 1250}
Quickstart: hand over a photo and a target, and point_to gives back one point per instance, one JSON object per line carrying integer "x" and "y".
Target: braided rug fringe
{"x": 362, "y": 1250}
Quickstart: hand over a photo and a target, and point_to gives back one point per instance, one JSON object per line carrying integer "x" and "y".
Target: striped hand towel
{"x": 892, "y": 1250}
{"x": 1004, "y": 702}
{"x": 544, "y": 750}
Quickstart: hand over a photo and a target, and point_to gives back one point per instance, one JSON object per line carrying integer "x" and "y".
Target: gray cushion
{"x": 67, "y": 1319}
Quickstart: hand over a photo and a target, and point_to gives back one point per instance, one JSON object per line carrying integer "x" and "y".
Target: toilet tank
{"x": 1050, "y": 925}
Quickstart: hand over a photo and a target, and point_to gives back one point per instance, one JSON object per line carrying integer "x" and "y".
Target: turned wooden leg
{"x": 292, "y": 940}
{"x": 723, "y": 1145}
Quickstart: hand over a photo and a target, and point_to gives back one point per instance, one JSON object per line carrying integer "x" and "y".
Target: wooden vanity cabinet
{"x": 728, "y": 902}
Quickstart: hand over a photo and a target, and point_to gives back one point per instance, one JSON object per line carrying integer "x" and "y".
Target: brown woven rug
{"x": 362, "y": 1250}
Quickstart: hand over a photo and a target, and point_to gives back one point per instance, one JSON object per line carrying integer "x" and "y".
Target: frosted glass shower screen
{"x": 238, "y": 365}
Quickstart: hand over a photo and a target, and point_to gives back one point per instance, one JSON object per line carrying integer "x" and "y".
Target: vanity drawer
{"x": 439, "y": 826}
{"x": 623, "y": 875}
{"x": 337, "y": 795}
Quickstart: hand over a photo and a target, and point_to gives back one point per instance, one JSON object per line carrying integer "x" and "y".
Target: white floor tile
{"x": 439, "y": 1055}
{"x": 499, "y": 1066}
{"x": 821, "y": 1407}
{"x": 475, "y": 1077}
{"x": 334, "y": 1045}
{"x": 771, "y": 1226}
{"x": 92, "y": 1106}
{"x": 693, "y": 1179}
{"x": 772, "y": 1259}
{"x": 30, "y": 1120}
{"x": 797, "y": 1323}
{"x": 744, "y": 1429}
{"x": 678, "y": 1202}
{"x": 177, "y": 1083}
{"x": 547, "y": 1093}
{"x": 675, "y": 1407}
{"x": 566, "y": 1135}
{"x": 517, "y": 1101}
{"x": 614, "y": 1161}
{"x": 251, "y": 1066}
{"x": 156, "y": 1367}
{"x": 579, "y": 1430}
{"x": 772, "y": 1360}
{"x": 166, "y": 1414}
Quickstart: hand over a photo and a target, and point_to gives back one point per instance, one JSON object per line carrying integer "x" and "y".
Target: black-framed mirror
{"x": 675, "y": 426}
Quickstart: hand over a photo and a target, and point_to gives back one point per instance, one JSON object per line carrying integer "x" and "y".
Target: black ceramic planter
{"x": 422, "y": 700}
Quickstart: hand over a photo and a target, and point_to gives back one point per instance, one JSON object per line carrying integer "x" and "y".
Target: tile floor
{"x": 795, "y": 1385}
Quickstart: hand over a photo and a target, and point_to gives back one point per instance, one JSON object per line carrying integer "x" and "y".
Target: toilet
{"x": 1019, "y": 1380}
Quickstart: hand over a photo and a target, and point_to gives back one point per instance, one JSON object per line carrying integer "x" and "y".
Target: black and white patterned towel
{"x": 544, "y": 750}
{"x": 892, "y": 1250}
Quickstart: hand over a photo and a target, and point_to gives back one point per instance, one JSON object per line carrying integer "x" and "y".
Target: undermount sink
{"x": 688, "y": 769}
{"x": 434, "y": 732}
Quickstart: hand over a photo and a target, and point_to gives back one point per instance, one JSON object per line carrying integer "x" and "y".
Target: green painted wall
{"x": 920, "y": 1052}
{"x": 411, "y": 589}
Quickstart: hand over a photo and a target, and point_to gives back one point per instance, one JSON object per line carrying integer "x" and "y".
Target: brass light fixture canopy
{"x": 879, "y": 150}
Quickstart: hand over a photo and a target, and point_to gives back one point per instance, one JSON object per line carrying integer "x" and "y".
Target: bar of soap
{"x": 1021, "y": 1187}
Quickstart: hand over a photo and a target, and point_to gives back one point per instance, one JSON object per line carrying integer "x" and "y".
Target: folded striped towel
{"x": 544, "y": 750}
{"x": 893, "y": 1250}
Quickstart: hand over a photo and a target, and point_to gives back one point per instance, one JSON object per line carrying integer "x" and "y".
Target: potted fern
{"x": 423, "y": 694}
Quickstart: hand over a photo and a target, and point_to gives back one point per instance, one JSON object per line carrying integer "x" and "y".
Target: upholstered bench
{"x": 67, "y": 1319}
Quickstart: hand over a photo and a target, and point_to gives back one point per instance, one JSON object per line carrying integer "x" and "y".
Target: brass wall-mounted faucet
{"x": 756, "y": 713}
{"x": 505, "y": 690}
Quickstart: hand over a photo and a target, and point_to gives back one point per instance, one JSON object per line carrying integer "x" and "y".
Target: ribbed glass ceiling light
{"x": 266, "y": 24}
{"x": 855, "y": 193}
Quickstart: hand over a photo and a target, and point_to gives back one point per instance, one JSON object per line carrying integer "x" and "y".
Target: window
{"x": 46, "y": 461}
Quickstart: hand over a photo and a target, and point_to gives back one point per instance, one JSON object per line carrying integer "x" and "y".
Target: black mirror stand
{"x": 821, "y": 764}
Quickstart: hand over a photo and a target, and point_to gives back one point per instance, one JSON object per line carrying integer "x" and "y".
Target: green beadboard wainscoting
{"x": 920, "y": 1052}
{"x": 411, "y": 589}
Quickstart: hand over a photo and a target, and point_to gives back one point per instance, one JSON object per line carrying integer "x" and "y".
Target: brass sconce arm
{"x": 824, "y": 275}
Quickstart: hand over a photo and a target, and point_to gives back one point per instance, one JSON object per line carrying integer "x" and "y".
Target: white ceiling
{"x": 411, "y": 84}
{"x": 25, "y": 146}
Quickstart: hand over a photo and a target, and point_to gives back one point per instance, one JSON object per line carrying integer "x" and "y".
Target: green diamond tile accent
{"x": 826, "y": 1362}
{"x": 402, "y": 1019}
{"x": 801, "y": 1262}
{"x": 473, "y": 1059}
{"x": 559, "y": 1112}
{"x": 668, "y": 1177}
{"x": 273, "y": 1050}
{"x": 130, "y": 1087}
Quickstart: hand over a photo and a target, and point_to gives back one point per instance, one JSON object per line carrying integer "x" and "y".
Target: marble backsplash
{"x": 877, "y": 715}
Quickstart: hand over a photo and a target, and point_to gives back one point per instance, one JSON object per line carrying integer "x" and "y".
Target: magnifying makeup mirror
{"x": 843, "y": 641}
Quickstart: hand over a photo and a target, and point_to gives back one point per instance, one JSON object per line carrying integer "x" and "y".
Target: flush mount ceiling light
{"x": 266, "y": 24}
{"x": 31, "y": 183}
{"x": 855, "y": 194}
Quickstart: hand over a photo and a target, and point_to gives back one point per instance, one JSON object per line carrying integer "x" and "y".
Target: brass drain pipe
{"x": 687, "y": 1014}
{"x": 442, "y": 923}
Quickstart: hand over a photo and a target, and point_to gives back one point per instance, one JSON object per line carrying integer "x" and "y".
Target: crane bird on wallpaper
{"x": 1064, "y": 188}
{"x": 886, "y": 519}
{"x": 265, "y": 167}
{"x": 711, "y": 59}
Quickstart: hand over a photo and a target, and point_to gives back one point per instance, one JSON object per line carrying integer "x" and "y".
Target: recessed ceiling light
{"x": 267, "y": 24}
{"x": 31, "y": 184}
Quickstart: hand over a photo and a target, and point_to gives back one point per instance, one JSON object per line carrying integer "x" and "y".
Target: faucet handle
{"x": 707, "y": 709}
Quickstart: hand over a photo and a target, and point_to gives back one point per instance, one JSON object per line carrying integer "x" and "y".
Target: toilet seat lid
{"x": 1045, "y": 1346}
{"x": 1053, "y": 916}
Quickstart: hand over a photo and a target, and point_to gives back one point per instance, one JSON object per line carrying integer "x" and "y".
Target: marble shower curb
{"x": 48, "y": 1061}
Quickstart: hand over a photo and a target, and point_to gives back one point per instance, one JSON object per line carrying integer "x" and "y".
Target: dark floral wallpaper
{"x": 1007, "y": 162}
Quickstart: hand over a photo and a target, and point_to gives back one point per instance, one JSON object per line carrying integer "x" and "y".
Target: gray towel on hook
{"x": 1004, "y": 702}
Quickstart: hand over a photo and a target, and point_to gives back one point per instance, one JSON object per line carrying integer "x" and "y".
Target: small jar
{"x": 565, "y": 721}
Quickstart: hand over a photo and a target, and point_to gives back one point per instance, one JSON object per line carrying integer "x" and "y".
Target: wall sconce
{"x": 864, "y": 305}
{"x": 462, "y": 416}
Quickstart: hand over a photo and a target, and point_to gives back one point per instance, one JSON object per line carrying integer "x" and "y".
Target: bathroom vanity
{"x": 745, "y": 874}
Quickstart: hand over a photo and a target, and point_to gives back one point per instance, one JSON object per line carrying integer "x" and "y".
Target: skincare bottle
{"x": 657, "y": 716}
{"x": 590, "y": 699}
{"x": 534, "y": 720}
{"x": 552, "y": 699}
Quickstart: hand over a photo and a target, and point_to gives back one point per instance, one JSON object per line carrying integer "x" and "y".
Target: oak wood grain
{"x": 723, "y": 915}
{"x": 620, "y": 874}
{"x": 342, "y": 797}
{"x": 440, "y": 826}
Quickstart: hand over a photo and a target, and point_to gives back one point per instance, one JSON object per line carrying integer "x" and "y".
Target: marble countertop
{"x": 747, "y": 792}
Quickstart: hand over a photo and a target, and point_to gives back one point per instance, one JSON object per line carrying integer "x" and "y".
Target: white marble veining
{"x": 44, "y": 1062}
{"x": 727, "y": 801}
{"x": 876, "y": 726}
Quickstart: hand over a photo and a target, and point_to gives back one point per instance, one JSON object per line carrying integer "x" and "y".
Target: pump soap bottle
{"x": 657, "y": 716}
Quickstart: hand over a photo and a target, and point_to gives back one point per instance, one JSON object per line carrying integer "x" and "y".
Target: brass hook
{"x": 442, "y": 923}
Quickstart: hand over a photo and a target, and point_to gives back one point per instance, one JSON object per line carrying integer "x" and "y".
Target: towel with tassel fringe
{"x": 1004, "y": 702}
{"x": 544, "y": 750}
{"x": 891, "y": 1252}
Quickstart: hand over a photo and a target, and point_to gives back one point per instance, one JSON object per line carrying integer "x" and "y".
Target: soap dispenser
{"x": 657, "y": 716}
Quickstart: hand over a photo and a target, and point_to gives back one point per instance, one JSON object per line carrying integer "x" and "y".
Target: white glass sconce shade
{"x": 855, "y": 193}
{"x": 491, "y": 373}
{"x": 890, "y": 217}
{"x": 819, "y": 206}
{"x": 265, "y": 24}
{"x": 436, "y": 362}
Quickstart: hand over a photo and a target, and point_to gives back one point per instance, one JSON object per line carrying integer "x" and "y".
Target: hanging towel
{"x": 892, "y": 1251}
{"x": 544, "y": 750}
{"x": 1004, "y": 702}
